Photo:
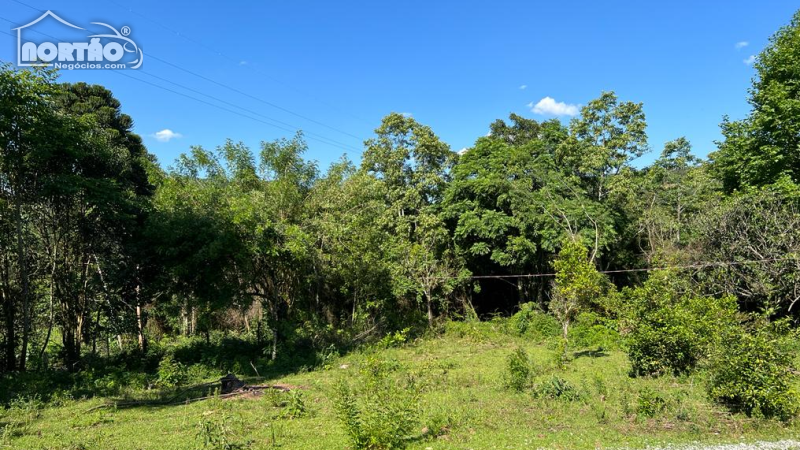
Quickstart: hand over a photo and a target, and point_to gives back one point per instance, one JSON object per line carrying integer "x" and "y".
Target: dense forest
{"x": 105, "y": 254}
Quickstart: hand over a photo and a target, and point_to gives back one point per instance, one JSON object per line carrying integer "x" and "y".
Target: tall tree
{"x": 606, "y": 137}
{"x": 667, "y": 198}
{"x": 413, "y": 168}
{"x": 765, "y": 146}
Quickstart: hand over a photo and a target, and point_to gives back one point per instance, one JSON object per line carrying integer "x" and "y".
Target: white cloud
{"x": 742, "y": 44}
{"x": 462, "y": 151}
{"x": 548, "y": 105}
{"x": 166, "y": 135}
{"x": 407, "y": 114}
{"x": 523, "y": 87}
{"x": 750, "y": 60}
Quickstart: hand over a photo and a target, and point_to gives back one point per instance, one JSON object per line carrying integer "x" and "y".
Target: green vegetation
{"x": 460, "y": 400}
{"x": 752, "y": 373}
{"x": 670, "y": 331}
{"x": 537, "y": 290}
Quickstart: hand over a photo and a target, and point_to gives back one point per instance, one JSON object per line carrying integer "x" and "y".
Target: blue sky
{"x": 334, "y": 69}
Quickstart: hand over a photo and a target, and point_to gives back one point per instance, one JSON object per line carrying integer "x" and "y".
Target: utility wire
{"x": 236, "y": 61}
{"x": 338, "y": 144}
{"x": 479, "y": 277}
{"x": 233, "y": 89}
{"x": 318, "y": 138}
{"x": 645, "y": 269}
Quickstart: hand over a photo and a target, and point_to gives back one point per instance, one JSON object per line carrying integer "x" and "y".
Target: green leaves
{"x": 577, "y": 284}
{"x": 671, "y": 330}
{"x": 577, "y": 280}
{"x": 765, "y": 146}
{"x": 752, "y": 371}
{"x": 606, "y": 137}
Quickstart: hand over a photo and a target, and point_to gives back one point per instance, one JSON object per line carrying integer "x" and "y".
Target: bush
{"x": 669, "y": 332}
{"x": 380, "y": 411}
{"x": 650, "y": 403}
{"x": 593, "y": 330}
{"x": 171, "y": 373}
{"x": 396, "y": 339}
{"x": 215, "y": 432}
{"x": 752, "y": 372}
{"x": 533, "y": 322}
{"x": 474, "y": 330}
{"x": 518, "y": 370}
{"x": 558, "y": 389}
{"x": 295, "y": 406}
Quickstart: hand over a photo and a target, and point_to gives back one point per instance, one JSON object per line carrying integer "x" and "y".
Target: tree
{"x": 606, "y": 137}
{"x": 352, "y": 279}
{"x": 577, "y": 283}
{"x": 75, "y": 192}
{"x": 119, "y": 256}
{"x": 765, "y": 146}
{"x": 28, "y": 130}
{"x": 413, "y": 168}
{"x": 754, "y": 242}
{"x": 667, "y": 198}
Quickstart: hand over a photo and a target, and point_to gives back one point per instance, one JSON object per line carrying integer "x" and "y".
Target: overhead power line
{"x": 225, "y": 86}
{"x": 703, "y": 265}
{"x": 268, "y": 120}
{"x": 331, "y": 141}
{"x": 236, "y": 61}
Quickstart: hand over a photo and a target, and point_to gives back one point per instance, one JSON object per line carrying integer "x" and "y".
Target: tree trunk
{"x": 274, "y": 344}
{"x": 95, "y": 331}
{"x": 52, "y": 308}
{"x": 49, "y": 328}
{"x": 71, "y": 347}
{"x": 11, "y": 339}
{"x": 140, "y": 322}
{"x": 430, "y": 308}
{"x": 23, "y": 276}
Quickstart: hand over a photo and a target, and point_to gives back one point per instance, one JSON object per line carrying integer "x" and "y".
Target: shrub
{"x": 669, "y": 332}
{"x": 533, "y": 322}
{"x": 396, "y": 339}
{"x": 518, "y": 370}
{"x": 650, "y": 403}
{"x": 593, "y": 330}
{"x": 752, "y": 372}
{"x": 474, "y": 331}
{"x": 214, "y": 432}
{"x": 380, "y": 411}
{"x": 558, "y": 389}
{"x": 171, "y": 373}
{"x": 295, "y": 406}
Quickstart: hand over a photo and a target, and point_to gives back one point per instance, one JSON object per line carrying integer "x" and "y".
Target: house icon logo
{"x": 110, "y": 50}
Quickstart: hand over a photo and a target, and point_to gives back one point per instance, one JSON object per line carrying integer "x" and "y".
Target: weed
{"x": 649, "y": 403}
{"x": 382, "y": 412}
{"x": 295, "y": 406}
{"x": 557, "y": 388}
{"x": 214, "y": 432}
{"x": 518, "y": 370}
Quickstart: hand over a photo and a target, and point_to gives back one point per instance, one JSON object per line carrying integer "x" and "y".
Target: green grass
{"x": 464, "y": 404}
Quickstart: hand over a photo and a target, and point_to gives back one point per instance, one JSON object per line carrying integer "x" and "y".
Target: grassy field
{"x": 464, "y": 405}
